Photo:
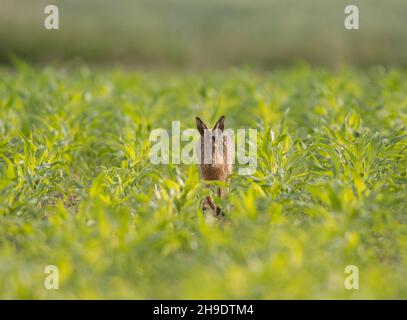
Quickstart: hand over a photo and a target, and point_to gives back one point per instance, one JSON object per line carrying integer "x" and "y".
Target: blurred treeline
{"x": 205, "y": 33}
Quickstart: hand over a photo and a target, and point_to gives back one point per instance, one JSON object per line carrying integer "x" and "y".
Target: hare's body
{"x": 220, "y": 165}
{"x": 214, "y": 152}
{"x": 214, "y": 172}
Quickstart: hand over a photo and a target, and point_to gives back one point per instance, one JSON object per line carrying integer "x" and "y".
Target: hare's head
{"x": 213, "y": 144}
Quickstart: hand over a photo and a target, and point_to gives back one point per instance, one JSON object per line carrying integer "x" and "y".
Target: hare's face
{"x": 213, "y": 145}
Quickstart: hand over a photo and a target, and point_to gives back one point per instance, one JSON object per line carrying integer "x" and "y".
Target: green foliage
{"x": 205, "y": 33}
{"x": 77, "y": 189}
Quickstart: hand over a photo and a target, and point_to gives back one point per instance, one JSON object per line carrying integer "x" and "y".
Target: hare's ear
{"x": 220, "y": 124}
{"x": 200, "y": 125}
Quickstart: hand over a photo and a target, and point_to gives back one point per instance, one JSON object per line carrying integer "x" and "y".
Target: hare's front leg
{"x": 204, "y": 205}
{"x": 207, "y": 202}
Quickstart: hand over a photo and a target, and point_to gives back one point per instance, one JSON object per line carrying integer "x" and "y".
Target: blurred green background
{"x": 205, "y": 33}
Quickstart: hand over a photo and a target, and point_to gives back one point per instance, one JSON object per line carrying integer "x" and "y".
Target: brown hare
{"x": 214, "y": 152}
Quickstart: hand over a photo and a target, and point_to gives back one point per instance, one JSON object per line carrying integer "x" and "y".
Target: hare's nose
{"x": 213, "y": 139}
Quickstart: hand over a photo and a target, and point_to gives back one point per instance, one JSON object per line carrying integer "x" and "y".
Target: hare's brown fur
{"x": 216, "y": 144}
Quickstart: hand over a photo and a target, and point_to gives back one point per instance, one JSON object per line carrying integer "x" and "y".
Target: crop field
{"x": 205, "y": 33}
{"x": 78, "y": 190}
